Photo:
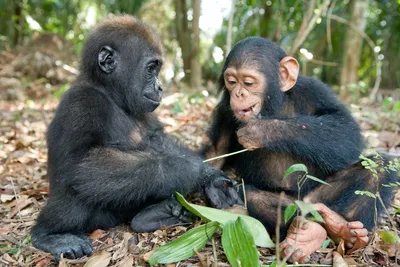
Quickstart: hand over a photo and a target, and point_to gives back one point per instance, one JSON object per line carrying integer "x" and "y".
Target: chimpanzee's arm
{"x": 331, "y": 141}
{"x": 219, "y": 135}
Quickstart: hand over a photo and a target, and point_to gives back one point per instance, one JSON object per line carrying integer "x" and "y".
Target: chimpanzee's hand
{"x": 252, "y": 135}
{"x": 222, "y": 193}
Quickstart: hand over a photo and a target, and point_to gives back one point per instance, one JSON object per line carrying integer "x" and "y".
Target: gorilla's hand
{"x": 222, "y": 192}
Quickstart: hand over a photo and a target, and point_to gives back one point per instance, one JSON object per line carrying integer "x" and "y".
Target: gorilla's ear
{"x": 107, "y": 59}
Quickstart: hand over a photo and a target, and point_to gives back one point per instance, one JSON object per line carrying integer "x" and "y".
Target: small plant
{"x": 299, "y": 206}
{"x": 240, "y": 236}
{"x": 377, "y": 165}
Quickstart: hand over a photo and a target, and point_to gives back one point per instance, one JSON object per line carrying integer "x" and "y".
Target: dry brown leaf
{"x": 63, "y": 262}
{"x": 390, "y": 249}
{"x": 15, "y": 201}
{"x": 6, "y": 198}
{"x": 123, "y": 249}
{"x": 99, "y": 260}
{"x": 350, "y": 261}
{"x": 126, "y": 262}
{"x": 96, "y": 234}
{"x": 338, "y": 260}
{"x": 340, "y": 248}
{"x": 147, "y": 256}
{"x": 8, "y": 258}
{"x": 43, "y": 263}
{"x": 19, "y": 206}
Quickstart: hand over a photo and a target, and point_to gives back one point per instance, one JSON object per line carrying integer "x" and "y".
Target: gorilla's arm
{"x": 108, "y": 176}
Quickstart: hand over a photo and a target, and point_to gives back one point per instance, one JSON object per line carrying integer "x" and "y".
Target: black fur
{"x": 315, "y": 129}
{"x": 108, "y": 157}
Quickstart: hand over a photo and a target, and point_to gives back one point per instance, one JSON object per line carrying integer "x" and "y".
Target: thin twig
{"x": 18, "y": 243}
{"x": 203, "y": 262}
{"x": 214, "y": 247}
{"x": 17, "y": 201}
{"x": 387, "y": 212}
{"x": 226, "y": 155}
{"x": 244, "y": 195}
{"x": 277, "y": 229}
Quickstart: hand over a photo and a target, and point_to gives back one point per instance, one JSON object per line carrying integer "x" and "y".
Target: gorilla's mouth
{"x": 154, "y": 101}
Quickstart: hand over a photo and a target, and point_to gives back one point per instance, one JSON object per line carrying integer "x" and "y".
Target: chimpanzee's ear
{"x": 289, "y": 71}
{"x": 107, "y": 59}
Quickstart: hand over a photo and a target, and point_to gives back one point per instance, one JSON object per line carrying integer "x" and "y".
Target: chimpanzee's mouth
{"x": 247, "y": 110}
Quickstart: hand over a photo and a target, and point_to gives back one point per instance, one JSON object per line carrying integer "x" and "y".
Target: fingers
{"x": 359, "y": 232}
{"x": 355, "y": 225}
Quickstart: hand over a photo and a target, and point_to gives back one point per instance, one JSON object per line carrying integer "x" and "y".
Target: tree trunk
{"x": 265, "y": 20}
{"x": 229, "y": 33}
{"x": 18, "y": 21}
{"x": 195, "y": 80}
{"x": 182, "y": 32}
{"x": 353, "y": 44}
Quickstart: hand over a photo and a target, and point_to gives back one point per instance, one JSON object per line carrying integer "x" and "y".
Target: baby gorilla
{"x": 108, "y": 156}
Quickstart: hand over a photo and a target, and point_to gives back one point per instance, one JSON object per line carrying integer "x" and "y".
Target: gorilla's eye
{"x": 154, "y": 65}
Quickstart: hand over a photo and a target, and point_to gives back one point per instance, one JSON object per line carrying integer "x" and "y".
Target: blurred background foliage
{"x": 352, "y": 45}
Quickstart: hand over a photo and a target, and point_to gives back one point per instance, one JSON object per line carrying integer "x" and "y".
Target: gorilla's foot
{"x": 166, "y": 213}
{"x": 303, "y": 238}
{"x": 353, "y": 233}
{"x": 70, "y": 245}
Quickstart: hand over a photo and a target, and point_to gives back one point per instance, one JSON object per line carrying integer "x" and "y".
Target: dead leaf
{"x": 338, "y": 260}
{"x": 96, "y": 234}
{"x": 123, "y": 249}
{"x": 99, "y": 260}
{"x": 350, "y": 261}
{"x": 340, "y": 248}
{"x": 63, "y": 262}
{"x": 19, "y": 206}
{"x": 8, "y": 258}
{"x": 43, "y": 263}
{"x": 390, "y": 249}
{"x": 6, "y": 198}
{"x": 147, "y": 256}
{"x": 126, "y": 261}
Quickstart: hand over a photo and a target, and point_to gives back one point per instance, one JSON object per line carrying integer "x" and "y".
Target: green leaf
{"x": 396, "y": 211}
{"x": 365, "y": 193}
{"x": 326, "y": 243}
{"x": 257, "y": 229}
{"x": 183, "y": 247}
{"x": 13, "y": 251}
{"x": 289, "y": 212}
{"x": 317, "y": 216}
{"x": 305, "y": 208}
{"x": 295, "y": 168}
{"x": 238, "y": 244}
{"x": 317, "y": 180}
{"x": 389, "y": 237}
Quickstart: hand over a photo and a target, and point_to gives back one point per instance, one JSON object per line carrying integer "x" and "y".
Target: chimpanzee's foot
{"x": 166, "y": 213}
{"x": 303, "y": 238}
{"x": 354, "y": 234}
{"x": 71, "y": 246}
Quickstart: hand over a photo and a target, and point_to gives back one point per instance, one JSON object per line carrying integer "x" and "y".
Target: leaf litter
{"x": 24, "y": 187}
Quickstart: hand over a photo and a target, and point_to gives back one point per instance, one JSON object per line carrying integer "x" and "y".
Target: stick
{"x": 226, "y": 155}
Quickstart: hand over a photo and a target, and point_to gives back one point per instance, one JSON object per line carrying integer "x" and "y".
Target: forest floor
{"x": 24, "y": 187}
